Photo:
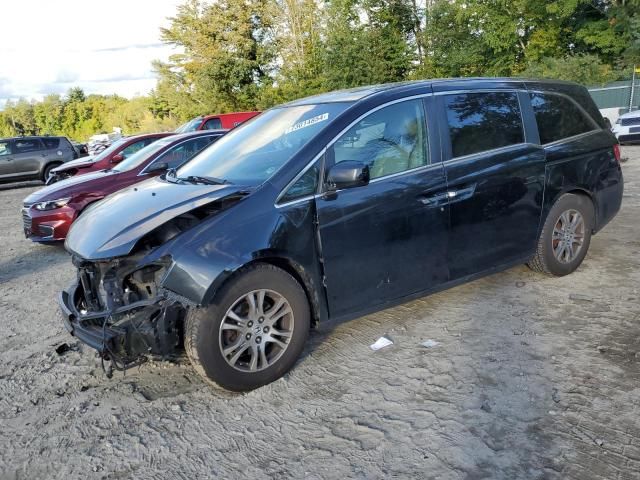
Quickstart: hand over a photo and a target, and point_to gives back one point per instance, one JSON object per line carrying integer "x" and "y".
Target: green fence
{"x": 616, "y": 95}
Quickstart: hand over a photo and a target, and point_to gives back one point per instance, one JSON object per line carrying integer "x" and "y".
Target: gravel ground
{"x": 534, "y": 377}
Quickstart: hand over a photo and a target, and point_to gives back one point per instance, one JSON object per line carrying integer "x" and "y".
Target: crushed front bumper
{"x": 125, "y": 334}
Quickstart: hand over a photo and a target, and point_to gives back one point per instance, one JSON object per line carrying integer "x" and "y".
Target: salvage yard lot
{"x": 534, "y": 377}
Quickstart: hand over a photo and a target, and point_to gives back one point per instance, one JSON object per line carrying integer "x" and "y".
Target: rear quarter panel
{"x": 587, "y": 164}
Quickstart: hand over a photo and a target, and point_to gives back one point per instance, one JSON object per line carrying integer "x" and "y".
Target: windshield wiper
{"x": 205, "y": 180}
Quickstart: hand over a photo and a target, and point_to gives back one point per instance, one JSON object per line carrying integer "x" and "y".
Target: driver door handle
{"x": 450, "y": 196}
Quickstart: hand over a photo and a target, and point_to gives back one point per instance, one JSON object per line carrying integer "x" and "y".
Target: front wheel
{"x": 565, "y": 237}
{"x": 252, "y": 332}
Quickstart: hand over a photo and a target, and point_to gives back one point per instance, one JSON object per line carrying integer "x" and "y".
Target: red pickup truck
{"x": 224, "y": 121}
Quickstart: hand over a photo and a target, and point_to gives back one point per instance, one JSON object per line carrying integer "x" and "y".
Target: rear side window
{"x": 27, "y": 145}
{"x": 558, "y": 117}
{"x": 212, "y": 124}
{"x": 483, "y": 121}
{"x": 51, "y": 143}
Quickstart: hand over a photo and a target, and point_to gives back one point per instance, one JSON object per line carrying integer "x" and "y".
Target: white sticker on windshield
{"x": 308, "y": 122}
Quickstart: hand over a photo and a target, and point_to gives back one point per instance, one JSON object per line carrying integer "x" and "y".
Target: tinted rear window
{"x": 630, "y": 121}
{"x": 483, "y": 121}
{"x": 51, "y": 142}
{"x": 558, "y": 117}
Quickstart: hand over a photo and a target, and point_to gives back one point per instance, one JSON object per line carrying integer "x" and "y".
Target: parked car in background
{"x": 81, "y": 149}
{"x": 225, "y": 121}
{"x": 33, "y": 158}
{"x": 627, "y": 127}
{"x": 117, "y": 152}
{"x": 337, "y": 205}
{"x": 48, "y": 213}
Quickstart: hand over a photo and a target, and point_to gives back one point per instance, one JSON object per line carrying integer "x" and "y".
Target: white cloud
{"x": 102, "y": 46}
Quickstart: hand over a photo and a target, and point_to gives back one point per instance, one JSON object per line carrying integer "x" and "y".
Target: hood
{"x": 65, "y": 188}
{"x": 112, "y": 227}
{"x": 80, "y": 162}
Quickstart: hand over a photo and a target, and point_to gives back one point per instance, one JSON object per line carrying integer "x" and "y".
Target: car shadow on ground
{"x": 19, "y": 185}
{"x": 34, "y": 261}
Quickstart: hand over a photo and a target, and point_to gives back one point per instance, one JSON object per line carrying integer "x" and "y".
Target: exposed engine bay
{"x": 118, "y": 305}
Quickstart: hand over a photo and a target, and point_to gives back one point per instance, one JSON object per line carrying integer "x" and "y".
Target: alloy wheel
{"x": 256, "y": 330}
{"x": 568, "y": 236}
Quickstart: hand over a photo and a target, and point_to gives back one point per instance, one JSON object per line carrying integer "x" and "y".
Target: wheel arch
{"x": 576, "y": 190}
{"x": 50, "y": 164}
{"x": 312, "y": 291}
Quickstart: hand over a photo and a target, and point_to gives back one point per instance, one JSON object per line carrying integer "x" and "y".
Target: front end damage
{"x": 118, "y": 304}
{"x": 118, "y": 308}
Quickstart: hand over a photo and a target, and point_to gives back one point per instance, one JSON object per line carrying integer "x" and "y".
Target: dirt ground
{"x": 534, "y": 377}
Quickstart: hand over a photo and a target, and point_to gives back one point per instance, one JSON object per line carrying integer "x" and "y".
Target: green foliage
{"x": 252, "y": 54}
{"x": 585, "y": 69}
{"x": 79, "y": 116}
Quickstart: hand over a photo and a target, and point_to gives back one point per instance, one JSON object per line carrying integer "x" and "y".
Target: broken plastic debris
{"x": 382, "y": 342}
{"x": 430, "y": 343}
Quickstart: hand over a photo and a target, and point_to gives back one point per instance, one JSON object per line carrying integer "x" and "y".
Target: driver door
{"x": 387, "y": 239}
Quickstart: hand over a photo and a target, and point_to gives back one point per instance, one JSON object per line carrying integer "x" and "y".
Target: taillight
{"x": 616, "y": 152}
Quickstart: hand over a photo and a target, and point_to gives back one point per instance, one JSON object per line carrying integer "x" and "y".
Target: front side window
{"x": 27, "y": 145}
{"x": 390, "y": 140}
{"x": 212, "y": 124}
{"x": 251, "y": 153}
{"x": 483, "y": 121}
{"x": 303, "y": 187}
{"x": 179, "y": 154}
{"x": 558, "y": 117}
{"x": 5, "y": 149}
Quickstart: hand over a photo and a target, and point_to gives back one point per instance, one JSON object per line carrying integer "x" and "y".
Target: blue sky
{"x": 103, "y": 46}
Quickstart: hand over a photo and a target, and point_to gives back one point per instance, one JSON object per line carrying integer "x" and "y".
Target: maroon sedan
{"x": 48, "y": 213}
{"x": 118, "y": 151}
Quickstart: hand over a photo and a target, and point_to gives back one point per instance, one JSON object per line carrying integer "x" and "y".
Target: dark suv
{"x": 33, "y": 158}
{"x": 338, "y": 205}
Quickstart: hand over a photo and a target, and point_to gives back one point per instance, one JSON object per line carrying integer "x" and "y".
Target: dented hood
{"x": 111, "y": 227}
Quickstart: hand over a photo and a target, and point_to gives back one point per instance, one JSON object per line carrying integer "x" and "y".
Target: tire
{"x": 551, "y": 256}
{"x": 47, "y": 170}
{"x": 206, "y": 340}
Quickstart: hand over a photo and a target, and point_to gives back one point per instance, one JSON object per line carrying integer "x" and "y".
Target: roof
{"x": 358, "y": 93}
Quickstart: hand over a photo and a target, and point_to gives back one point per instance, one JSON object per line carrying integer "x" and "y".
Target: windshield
{"x": 108, "y": 151}
{"x": 190, "y": 126}
{"x": 141, "y": 155}
{"x": 254, "y": 151}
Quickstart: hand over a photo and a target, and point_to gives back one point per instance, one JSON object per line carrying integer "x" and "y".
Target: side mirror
{"x": 156, "y": 167}
{"x": 348, "y": 174}
{"x": 117, "y": 158}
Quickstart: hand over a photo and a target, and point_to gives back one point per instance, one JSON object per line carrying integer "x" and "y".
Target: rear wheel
{"x": 47, "y": 171}
{"x": 253, "y": 331}
{"x": 565, "y": 237}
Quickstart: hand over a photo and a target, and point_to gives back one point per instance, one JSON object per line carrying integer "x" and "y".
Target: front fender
{"x": 205, "y": 258}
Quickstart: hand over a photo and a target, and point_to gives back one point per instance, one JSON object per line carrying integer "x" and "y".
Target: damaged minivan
{"x": 334, "y": 206}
